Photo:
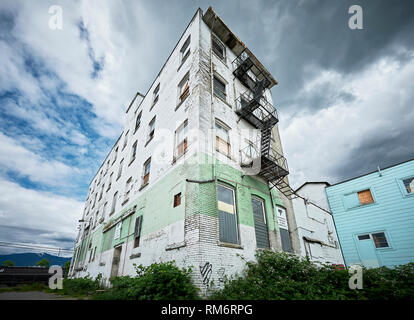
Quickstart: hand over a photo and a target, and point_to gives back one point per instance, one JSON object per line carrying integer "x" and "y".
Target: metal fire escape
{"x": 255, "y": 109}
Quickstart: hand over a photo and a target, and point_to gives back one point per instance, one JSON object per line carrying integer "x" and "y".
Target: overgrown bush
{"x": 81, "y": 286}
{"x": 286, "y": 277}
{"x": 159, "y": 281}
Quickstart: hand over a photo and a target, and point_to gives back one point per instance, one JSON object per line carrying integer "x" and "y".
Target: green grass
{"x": 25, "y": 288}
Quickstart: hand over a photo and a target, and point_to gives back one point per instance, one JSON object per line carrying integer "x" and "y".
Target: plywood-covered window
{"x": 146, "y": 173}
{"x": 181, "y": 140}
{"x": 222, "y": 138}
{"x": 177, "y": 199}
{"x": 184, "y": 88}
{"x": 365, "y": 197}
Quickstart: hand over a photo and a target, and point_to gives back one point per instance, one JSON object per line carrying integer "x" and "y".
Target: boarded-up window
{"x": 365, "y": 197}
{"x": 147, "y": 168}
{"x": 184, "y": 88}
{"x": 177, "y": 199}
{"x": 260, "y": 226}
{"x": 222, "y": 139}
{"x": 181, "y": 139}
{"x": 228, "y": 231}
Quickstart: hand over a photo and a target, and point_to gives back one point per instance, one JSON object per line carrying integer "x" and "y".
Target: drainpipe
{"x": 213, "y": 168}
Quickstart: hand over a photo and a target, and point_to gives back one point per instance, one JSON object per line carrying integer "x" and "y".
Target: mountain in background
{"x": 30, "y": 259}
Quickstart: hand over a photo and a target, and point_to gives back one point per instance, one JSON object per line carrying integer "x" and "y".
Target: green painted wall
{"x": 156, "y": 203}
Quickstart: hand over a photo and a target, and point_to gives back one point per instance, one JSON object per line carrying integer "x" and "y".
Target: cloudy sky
{"x": 345, "y": 97}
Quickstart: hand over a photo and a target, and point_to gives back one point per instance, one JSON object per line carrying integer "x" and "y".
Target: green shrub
{"x": 159, "y": 281}
{"x": 81, "y": 286}
{"x": 283, "y": 276}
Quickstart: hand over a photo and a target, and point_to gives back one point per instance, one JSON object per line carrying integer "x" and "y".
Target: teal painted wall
{"x": 392, "y": 213}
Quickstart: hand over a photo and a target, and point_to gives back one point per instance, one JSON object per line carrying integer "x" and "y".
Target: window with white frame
{"x": 222, "y": 138}
{"x": 125, "y": 140}
{"x": 409, "y": 184}
{"x": 151, "y": 130}
{"x": 102, "y": 190}
{"x": 146, "y": 172}
{"x": 181, "y": 139}
{"x": 115, "y": 154}
{"x": 128, "y": 187}
{"x": 185, "y": 50}
{"x": 138, "y": 121}
{"x": 218, "y": 48}
{"x": 109, "y": 182}
{"x": 219, "y": 87}
{"x": 115, "y": 198}
{"x": 184, "y": 88}
{"x": 104, "y": 208}
{"x": 134, "y": 151}
{"x": 121, "y": 164}
{"x": 155, "y": 94}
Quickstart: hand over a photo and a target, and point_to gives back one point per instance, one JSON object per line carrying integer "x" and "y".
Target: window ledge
{"x": 224, "y": 101}
{"x": 125, "y": 201}
{"x": 175, "y": 159}
{"x": 223, "y": 60}
{"x": 181, "y": 102}
{"x": 230, "y": 245}
{"x": 143, "y": 186}
{"x": 175, "y": 246}
{"x": 131, "y": 162}
{"x": 148, "y": 141}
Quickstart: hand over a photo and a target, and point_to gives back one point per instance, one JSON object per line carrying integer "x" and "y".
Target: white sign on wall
{"x": 117, "y": 230}
{"x": 281, "y": 218}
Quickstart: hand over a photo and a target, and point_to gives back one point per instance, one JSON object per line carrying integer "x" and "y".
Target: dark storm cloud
{"x": 380, "y": 150}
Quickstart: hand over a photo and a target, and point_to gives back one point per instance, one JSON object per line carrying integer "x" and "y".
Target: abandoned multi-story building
{"x": 198, "y": 173}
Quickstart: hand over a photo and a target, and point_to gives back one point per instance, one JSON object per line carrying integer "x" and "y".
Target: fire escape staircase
{"x": 254, "y": 108}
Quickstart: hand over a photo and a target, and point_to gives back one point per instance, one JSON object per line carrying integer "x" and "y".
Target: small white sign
{"x": 281, "y": 218}
{"x": 118, "y": 230}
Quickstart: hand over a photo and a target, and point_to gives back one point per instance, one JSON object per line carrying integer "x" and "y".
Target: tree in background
{"x": 7, "y": 263}
{"x": 43, "y": 263}
{"x": 66, "y": 266}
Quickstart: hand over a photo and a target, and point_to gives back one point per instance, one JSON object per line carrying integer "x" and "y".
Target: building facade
{"x": 316, "y": 228}
{"x": 374, "y": 216}
{"x": 198, "y": 172}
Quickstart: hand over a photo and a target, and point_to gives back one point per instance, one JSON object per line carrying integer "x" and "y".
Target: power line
{"x": 34, "y": 247}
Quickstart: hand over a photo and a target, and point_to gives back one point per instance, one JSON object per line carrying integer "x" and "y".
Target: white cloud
{"x": 24, "y": 208}
{"x": 317, "y": 144}
{"x": 16, "y": 158}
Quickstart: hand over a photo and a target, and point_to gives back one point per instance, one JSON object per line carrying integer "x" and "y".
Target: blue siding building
{"x": 374, "y": 216}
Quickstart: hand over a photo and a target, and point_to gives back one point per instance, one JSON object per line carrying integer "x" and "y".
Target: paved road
{"x": 32, "y": 295}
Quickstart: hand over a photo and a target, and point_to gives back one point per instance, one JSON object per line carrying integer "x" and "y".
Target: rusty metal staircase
{"x": 255, "y": 109}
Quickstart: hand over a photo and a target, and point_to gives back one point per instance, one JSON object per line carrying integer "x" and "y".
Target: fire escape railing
{"x": 255, "y": 109}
